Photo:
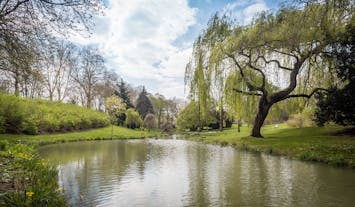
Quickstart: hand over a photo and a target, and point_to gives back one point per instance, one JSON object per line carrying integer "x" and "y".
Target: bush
{"x": 2, "y": 125}
{"x": 133, "y": 120}
{"x": 18, "y": 115}
{"x": 188, "y": 117}
{"x": 300, "y": 120}
{"x": 150, "y": 121}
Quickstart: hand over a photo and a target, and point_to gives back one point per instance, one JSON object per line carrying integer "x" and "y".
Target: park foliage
{"x": 27, "y": 116}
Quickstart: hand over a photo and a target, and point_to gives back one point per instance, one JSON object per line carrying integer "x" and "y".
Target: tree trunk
{"x": 263, "y": 110}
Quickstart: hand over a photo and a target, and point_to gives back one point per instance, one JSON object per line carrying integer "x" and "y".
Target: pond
{"x": 185, "y": 173}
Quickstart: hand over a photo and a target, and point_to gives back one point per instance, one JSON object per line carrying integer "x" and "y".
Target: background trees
{"x": 338, "y": 104}
{"x": 87, "y": 74}
{"x": 57, "y": 63}
{"x": 274, "y": 58}
{"x": 123, "y": 93}
{"x": 144, "y": 105}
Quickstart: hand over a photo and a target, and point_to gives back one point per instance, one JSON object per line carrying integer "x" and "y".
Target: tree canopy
{"x": 273, "y": 59}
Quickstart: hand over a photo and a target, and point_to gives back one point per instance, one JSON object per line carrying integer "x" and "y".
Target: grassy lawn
{"x": 311, "y": 143}
{"x": 94, "y": 134}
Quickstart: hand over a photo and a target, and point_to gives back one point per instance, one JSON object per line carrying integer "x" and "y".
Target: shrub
{"x": 133, "y": 120}
{"x": 2, "y": 125}
{"x": 150, "y": 121}
{"x": 303, "y": 119}
{"x": 188, "y": 117}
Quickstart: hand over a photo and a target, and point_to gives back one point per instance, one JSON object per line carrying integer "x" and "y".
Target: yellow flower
{"x": 30, "y": 193}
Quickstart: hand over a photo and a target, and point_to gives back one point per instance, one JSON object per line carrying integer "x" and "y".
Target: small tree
{"x": 123, "y": 93}
{"x": 133, "y": 120}
{"x": 114, "y": 107}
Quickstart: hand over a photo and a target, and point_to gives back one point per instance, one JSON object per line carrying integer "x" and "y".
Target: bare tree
{"x": 88, "y": 73}
{"x": 106, "y": 87}
{"x": 57, "y": 64}
{"x": 25, "y": 23}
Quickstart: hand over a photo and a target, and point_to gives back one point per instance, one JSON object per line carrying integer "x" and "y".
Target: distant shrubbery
{"x": 133, "y": 120}
{"x": 18, "y": 115}
{"x": 188, "y": 118}
{"x": 300, "y": 120}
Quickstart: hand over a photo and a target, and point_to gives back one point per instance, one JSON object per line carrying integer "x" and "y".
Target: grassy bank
{"x": 26, "y": 180}
{"x": 93, "y": 134}
{"x": 37, "y": 116}
{"x": 311, "y": 143}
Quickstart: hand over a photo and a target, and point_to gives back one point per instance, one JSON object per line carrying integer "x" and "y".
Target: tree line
{"x": 147, "y": 110}
{"x": 37, "y": 61}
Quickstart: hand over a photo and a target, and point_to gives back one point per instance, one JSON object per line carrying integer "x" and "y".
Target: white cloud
{"x": 137, "y": 38}
{"x": 244, "y": 10}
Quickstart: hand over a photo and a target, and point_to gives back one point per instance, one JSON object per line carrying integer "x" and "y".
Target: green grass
{"x": 311, "y": 143}
{"x": 93, "y": 134}
{"x": 35, "y": 116}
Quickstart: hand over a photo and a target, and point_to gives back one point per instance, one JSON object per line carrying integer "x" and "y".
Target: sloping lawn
{"x": 311, "y": 143}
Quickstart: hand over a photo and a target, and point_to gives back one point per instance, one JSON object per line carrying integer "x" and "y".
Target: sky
{"x": 149, "y": 42}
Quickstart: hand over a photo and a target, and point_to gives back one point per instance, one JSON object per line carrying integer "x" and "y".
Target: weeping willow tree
{"x": 200, "y": 75}
{"x": 277, "y": 57}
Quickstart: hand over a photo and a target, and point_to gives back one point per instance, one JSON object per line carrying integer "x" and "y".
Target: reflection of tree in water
{"x": 198, "y": 188}
{"x": 97, "y": 168}
{"x": 192, "y": 174}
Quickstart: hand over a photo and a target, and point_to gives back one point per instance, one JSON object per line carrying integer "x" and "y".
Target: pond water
{"x": 184, "y": 173}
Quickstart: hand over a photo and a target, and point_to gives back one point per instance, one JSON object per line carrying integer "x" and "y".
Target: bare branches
{"x": 14, "y": 8}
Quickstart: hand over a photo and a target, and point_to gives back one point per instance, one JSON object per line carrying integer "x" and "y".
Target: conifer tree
{"x": 122, "y": 92}
{"x": 144, "y": 105}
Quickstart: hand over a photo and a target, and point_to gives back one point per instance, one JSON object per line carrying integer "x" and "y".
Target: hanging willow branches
{"x": 271, "y": 60}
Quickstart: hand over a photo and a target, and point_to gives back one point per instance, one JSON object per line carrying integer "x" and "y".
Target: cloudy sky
{"x": 149, "y": 42}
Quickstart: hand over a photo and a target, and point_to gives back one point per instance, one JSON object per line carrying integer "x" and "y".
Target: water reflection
{"x": 183, "y": 173}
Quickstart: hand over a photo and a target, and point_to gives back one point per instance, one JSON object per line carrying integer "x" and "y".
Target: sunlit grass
{"x": 310, "y": 143}
{"x": 94, "y": 134}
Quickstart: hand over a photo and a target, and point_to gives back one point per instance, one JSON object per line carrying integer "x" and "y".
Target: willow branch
{"x": 251, "y": 86}
{"x": 308, "y": 96}
{"x": 246, "y": 93}
{"x": 275, "y": 61}
{"x": 262, "y": 87}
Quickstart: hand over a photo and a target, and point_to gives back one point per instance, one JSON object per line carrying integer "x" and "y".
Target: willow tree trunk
{"x": 263, "y": 110}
